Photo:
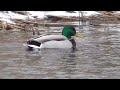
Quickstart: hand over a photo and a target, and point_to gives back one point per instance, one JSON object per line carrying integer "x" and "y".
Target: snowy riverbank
{"x": 26, "y": 20}
{"x": 9, "y": 16}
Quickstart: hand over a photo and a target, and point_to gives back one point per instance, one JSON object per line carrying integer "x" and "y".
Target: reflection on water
{"x": 97, "y": 56}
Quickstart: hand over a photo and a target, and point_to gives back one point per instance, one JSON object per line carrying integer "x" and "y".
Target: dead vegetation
{"x": 106, "y": 17}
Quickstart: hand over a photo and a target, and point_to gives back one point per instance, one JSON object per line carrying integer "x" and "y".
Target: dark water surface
{"x": 97, "y": 56}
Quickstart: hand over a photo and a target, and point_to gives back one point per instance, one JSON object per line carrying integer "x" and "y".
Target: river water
{"x": 97, "y": 56}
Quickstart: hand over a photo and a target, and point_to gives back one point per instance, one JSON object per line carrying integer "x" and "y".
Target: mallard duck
{"x": 65, "y": 40}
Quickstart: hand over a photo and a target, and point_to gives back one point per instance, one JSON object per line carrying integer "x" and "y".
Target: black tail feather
{"x": 32, "y": 42}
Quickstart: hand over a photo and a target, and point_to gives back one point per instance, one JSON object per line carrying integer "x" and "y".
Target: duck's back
{"x": 54, "y": 41}
{"x": 50, "y": 38}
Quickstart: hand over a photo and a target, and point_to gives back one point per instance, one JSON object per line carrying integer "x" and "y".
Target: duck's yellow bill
{"x": 78, "y": 35}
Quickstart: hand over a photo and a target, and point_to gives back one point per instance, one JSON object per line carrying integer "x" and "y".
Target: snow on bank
{"x": 17, "y": 16}
{"x": 40, "y": 14}
{"x": 10, "y": 15}
{"x": 4, "y": 17}
{"x": 90, "y": 13}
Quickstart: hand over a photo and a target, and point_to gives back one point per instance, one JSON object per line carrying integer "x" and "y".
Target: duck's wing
{"x": 50, "y": 38}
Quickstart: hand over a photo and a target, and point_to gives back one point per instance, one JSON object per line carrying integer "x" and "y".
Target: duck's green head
{"x": 69, "y": 31}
